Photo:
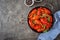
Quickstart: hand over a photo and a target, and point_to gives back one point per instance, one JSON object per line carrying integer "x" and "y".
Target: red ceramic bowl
{"x": 40, "y": 19}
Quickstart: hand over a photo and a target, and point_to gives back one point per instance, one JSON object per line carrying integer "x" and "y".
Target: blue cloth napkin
{"x": 54, "y": 31}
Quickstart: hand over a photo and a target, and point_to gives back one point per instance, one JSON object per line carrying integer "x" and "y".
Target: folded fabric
{"x": 54, "y": 31}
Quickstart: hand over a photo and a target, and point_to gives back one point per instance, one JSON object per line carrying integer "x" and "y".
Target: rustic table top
{"x": 13, "y": 19}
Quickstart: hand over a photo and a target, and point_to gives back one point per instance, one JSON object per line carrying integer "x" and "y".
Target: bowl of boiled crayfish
{"x": 40, "y": 19}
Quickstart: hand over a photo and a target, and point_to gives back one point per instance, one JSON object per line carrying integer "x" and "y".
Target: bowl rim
{"x": 38, "y": 1}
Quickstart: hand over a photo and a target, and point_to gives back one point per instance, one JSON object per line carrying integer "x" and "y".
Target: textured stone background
{"x": 13, "y": 19}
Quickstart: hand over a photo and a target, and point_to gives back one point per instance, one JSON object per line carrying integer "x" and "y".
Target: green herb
{"x": 33, "y": 21}
{"x": 48, "y": 19}
{"x": 45, "y": 30}
{"x": 44, "y": 26}
{"x": 34, "y": 15}
{"x": 43, "y": 15}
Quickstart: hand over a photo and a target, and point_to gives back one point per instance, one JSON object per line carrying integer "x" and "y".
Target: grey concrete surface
{"x": 13, "y": 19}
